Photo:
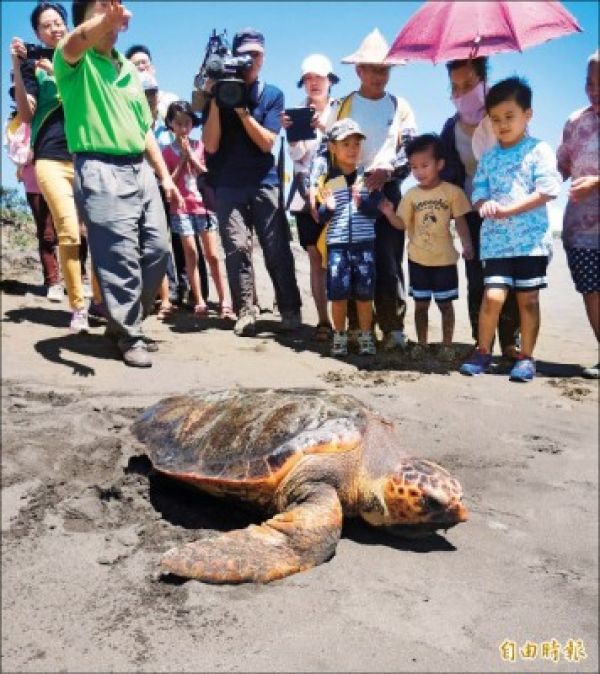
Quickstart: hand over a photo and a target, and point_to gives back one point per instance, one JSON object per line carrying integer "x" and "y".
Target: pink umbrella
{"x": 443, "y": 31}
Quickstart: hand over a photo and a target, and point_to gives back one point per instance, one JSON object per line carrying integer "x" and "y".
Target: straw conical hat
{"x": 373, "y": 50}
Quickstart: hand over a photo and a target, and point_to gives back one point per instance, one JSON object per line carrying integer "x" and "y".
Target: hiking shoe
{"x": 366, "y": 343}
{"x": 137, "y": 356}
{"x": 523, "y": 370}
{"x": 478, "y": 363}
{"x": 245, "y": 325}
{"x": 396, "y": 339}
{"x": 290, "y": 320}
{"x": 340, "y": 344}
{"x": 79, "y": 321}
{"x": 55, "y": 293}
{"x": 591, "y": 372}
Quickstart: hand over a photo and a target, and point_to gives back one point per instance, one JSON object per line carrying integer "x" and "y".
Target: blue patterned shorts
{"x": 351, "y": 272}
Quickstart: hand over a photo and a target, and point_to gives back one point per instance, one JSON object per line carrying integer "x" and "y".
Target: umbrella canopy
{"x": 444, "y": 31}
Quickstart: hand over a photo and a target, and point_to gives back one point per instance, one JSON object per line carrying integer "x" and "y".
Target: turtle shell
{"x": 247, "y": 434}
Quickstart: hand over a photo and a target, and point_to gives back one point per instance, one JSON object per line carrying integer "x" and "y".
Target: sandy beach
{"x": 84, "y": 521}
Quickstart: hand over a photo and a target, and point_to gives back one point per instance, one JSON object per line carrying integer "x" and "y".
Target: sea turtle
{"x": 308, "y": 457}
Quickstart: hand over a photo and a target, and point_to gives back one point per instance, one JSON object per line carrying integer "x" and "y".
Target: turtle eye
{"x": 429, "y": 503}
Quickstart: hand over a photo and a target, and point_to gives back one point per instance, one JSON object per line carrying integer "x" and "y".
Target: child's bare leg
{"x": 317, "y": 283}
{"x": 447, "y": 311}
{"x": 529, "y": 313}
{"x": 339, "y": 309}
{"x": 210, "y": 248}
{"x": 493, "y": 300}
{"x": 191, "y": 267}
{"x": 592, "y": 307}
{"x": 163, "y": 293}
{"x": 422, "y": 321}
{"x": 364, "y": 309}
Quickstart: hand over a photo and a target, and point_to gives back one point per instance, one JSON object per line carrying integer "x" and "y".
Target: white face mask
{"x": 471, "y": 106}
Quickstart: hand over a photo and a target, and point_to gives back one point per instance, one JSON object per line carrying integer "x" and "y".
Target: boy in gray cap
{"x": 350, "y": 212}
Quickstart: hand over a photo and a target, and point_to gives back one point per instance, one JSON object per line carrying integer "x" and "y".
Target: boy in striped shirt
{"x": 350, "y": 212}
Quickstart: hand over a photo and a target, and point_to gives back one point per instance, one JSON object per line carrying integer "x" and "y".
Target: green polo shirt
{"x": 105, "y": 111}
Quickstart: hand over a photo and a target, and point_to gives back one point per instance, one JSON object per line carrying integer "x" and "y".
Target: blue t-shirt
{"x": 239, "y": 162}
{"x": 507, "y": 175}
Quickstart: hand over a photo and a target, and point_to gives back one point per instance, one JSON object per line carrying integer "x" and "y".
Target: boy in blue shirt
{"x": 514, "y": 181}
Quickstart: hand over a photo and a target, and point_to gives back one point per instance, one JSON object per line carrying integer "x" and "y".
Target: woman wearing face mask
{"x": 466, "y": 136}
{"x": 316, "y": 78}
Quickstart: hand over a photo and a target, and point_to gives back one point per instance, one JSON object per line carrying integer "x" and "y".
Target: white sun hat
{"x": 372, "y": 51}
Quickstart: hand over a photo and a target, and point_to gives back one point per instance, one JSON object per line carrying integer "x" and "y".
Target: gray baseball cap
{"x": 344, "y": 128}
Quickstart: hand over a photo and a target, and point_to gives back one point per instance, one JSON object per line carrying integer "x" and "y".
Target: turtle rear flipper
{"x": 303, "y": 535}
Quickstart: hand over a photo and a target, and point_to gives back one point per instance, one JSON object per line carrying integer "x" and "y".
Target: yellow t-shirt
{"x": 427, "y": 215}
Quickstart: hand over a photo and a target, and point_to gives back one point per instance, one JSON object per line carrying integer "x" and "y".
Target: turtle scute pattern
{"x": 238, "y": 435}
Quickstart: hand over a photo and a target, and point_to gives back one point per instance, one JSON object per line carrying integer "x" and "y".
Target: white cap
{"x": 318, "y": 64}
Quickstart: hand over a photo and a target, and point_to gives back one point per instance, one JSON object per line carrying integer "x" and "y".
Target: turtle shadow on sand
{"x": 358, "y": 531}
{"x": 186, "y": 506}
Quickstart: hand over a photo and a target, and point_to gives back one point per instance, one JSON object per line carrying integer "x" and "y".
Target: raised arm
{"x": 26, "y": 104}
{"x": 91, "y": 32}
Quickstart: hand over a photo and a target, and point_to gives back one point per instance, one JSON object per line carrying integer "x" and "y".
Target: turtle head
{"x": 417, "y": 498}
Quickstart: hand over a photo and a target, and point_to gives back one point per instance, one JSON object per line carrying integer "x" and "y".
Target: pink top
{"x": 186, "y": 183}
{"x": 577, "y": 156}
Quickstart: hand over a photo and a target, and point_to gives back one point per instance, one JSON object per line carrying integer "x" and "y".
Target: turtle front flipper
{"x": 303, "y": 535}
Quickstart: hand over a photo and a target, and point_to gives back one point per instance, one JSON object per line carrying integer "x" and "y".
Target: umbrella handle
{"x": 475, "y": 47}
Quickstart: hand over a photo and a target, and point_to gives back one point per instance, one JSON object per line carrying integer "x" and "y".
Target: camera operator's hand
{"x": 18, "y": 51}
{"x": 208, "y": 85}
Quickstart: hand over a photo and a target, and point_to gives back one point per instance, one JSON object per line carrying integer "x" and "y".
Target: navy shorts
{"x": 521, "y": 273}
{"x": 308, "y": 230}
{"x": 584, "y": 264}
{"x": 441, "y": 283}
{"x": 351, "y": 272}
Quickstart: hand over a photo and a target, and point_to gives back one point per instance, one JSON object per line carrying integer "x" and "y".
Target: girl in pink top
{"x": 185, "y": 160}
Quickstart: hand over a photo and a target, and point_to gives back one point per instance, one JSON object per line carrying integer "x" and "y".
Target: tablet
{"x": 301, "y": 128}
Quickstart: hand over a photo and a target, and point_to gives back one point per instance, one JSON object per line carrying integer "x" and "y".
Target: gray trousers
{"x": 241, "y": 210}
{"x": 119, "y": 202}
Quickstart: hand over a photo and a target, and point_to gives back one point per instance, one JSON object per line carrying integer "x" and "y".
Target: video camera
{"x": 219, "y": 64}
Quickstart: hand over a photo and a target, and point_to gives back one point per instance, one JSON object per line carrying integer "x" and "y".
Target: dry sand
{"x": 84, "y": 523}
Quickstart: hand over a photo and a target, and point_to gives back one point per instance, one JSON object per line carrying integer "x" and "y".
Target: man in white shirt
{"x": 388, "y": 123}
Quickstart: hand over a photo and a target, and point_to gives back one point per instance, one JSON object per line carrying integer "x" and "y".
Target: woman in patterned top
{"x": 578, "y": 160}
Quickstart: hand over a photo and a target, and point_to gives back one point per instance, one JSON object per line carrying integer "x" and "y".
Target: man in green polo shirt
{"x": 109, "y": 131}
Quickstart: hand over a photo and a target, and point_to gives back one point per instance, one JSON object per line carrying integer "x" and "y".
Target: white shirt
{"x": 383, "y": 126}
